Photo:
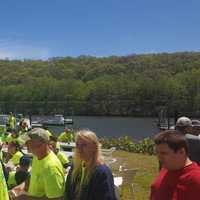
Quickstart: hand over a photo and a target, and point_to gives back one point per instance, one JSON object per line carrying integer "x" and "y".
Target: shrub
{"x": 126, "y": 143}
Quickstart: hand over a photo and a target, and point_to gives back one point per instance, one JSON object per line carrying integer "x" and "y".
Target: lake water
{"x": 114, "y": 126}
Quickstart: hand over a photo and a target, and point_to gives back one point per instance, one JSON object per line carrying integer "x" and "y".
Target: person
{"x": 179, "y": 178}
{"x": 66, "y": 136}
{"x": 47, "y": 175}
{"x": 3, "y": 186}
{"x": 24, "y": 126}
{"x": 184, "y": 125}
{"x": 11, "y": 123}
{"x": 54, "y": 146}
{"x": 14, "y": 151}
{"x": 1, "y": 152}
{"x": 89, "y": 178}
{"x": 13, "y": 136}
{"x": 21, "y": 174}
{"x": 195, "y": 127}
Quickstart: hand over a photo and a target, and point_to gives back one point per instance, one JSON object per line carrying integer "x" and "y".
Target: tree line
{"x": 135, "y": 85}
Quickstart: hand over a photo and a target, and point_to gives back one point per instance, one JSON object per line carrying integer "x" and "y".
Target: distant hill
{"x": 134, "y": 85}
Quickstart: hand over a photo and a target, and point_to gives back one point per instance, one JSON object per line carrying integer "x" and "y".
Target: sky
{"x": 41, "y": 29}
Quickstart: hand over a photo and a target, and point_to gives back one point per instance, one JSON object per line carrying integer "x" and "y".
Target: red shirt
{"x": 183, "y": 184}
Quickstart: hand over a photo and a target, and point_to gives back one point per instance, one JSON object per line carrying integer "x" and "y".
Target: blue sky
{"x": 40, "y": 29}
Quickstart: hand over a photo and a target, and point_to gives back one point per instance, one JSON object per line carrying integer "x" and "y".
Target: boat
{"x": 68, "y": 121}
{"x": 51, "y": 122}
{"x": 56, "y": 120}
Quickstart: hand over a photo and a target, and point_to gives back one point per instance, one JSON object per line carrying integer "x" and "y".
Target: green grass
{"x": 147, "y": 169}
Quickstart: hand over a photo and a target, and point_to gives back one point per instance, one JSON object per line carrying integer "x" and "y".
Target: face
{"x": 24, "y": 125}
{"x": 52, "y": 146}
{"x": 170, "y": 159}
{"x": 11, "y": 149}
{"x": 85, "y": 149}
{"x": 67, "y": 131}
{"x": 188, "y": 129}
{"x": 14, "y": 134}
{"x": 196, "y": 130}
{"x": 34, "y": 146}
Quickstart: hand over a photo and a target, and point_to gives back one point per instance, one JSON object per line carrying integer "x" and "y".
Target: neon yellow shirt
{"x": 66, "y": 137}
{"x": 16, "y": 157}
{"x": 2, "y": 129}
{"x": 58, "y": 145}
{"x": 10, "y": 138}
{"x": 11, "y": 180}
{"x": 3, "y": 186}
{"x": 4, "y": 137}
{"x": 47, "y": 177}
{"x": 62, "y": 157}
{"x": 23, "y": 130}
{"x": 1, "y": 152}
{"x": 12, "y": 122}
{"x": 1, "y": 155}
{"x": 49, "y": 133}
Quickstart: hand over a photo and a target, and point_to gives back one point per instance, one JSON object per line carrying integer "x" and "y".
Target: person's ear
{"x": 182, "y": 151}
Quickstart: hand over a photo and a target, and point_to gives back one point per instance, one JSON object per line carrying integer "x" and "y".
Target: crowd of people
{"x": 44, "y": 172}
{"x": 33, "y": 167}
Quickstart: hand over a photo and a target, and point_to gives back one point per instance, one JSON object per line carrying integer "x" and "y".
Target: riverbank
{"x": 146, "y": 169}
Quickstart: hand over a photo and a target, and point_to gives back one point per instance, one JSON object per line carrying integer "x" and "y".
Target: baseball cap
{"x": 183, "y": 121}
{"x": 36, "y": 134}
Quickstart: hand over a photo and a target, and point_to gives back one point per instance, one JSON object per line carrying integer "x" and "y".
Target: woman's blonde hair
{"x": 89, "y": 137}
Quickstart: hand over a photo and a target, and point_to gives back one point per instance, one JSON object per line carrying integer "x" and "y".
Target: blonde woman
{"x": 89, "y": 178}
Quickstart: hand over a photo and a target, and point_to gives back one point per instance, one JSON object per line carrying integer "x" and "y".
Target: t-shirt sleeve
{"x": 63, "y": 158}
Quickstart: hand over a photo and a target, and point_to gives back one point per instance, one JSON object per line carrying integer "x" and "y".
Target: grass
{"x": 146, "y": 169}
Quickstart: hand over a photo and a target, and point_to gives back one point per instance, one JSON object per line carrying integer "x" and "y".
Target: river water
{"x": 137, "y": 128}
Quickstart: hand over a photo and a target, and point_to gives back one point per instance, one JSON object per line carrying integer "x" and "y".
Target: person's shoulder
{"x": 52, "y": 161}
{"x": 17, "y": 155}
{"x": 102, "y": 169}
{"x": 51, "y": 158}
{"x": 61, "y": 154}
{"x": 193, "y": 170}
{"x": 62, "y": 133}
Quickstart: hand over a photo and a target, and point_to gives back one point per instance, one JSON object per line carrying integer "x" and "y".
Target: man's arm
{"x": 23, "y": 196}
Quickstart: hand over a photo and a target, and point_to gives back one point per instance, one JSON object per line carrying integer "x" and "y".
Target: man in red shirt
{"x": 179, "y": 179}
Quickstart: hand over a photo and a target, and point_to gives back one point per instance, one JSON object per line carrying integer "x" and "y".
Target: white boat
{"x": 56, "y": 120}
{"x": 68, "y": 121}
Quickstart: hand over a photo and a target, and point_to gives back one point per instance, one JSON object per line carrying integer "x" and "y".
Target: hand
{"x": 12, "y": 195}
{"x": 22, "y": 197}
{"x": 19, "y": 189}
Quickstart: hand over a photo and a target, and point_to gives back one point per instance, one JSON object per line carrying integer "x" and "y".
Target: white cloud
{"x": 16, "y": 49}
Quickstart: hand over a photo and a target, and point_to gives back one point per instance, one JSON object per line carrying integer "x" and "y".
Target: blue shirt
{"x": 100, "y": 186}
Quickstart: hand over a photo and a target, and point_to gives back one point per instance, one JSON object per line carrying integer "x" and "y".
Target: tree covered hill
{"x": 135, "y": 85}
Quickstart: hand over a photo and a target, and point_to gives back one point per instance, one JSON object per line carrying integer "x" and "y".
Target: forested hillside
{"x": 136, "y": 85}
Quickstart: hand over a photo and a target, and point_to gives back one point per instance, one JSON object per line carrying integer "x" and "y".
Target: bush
{"x": 126, "y": 143}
